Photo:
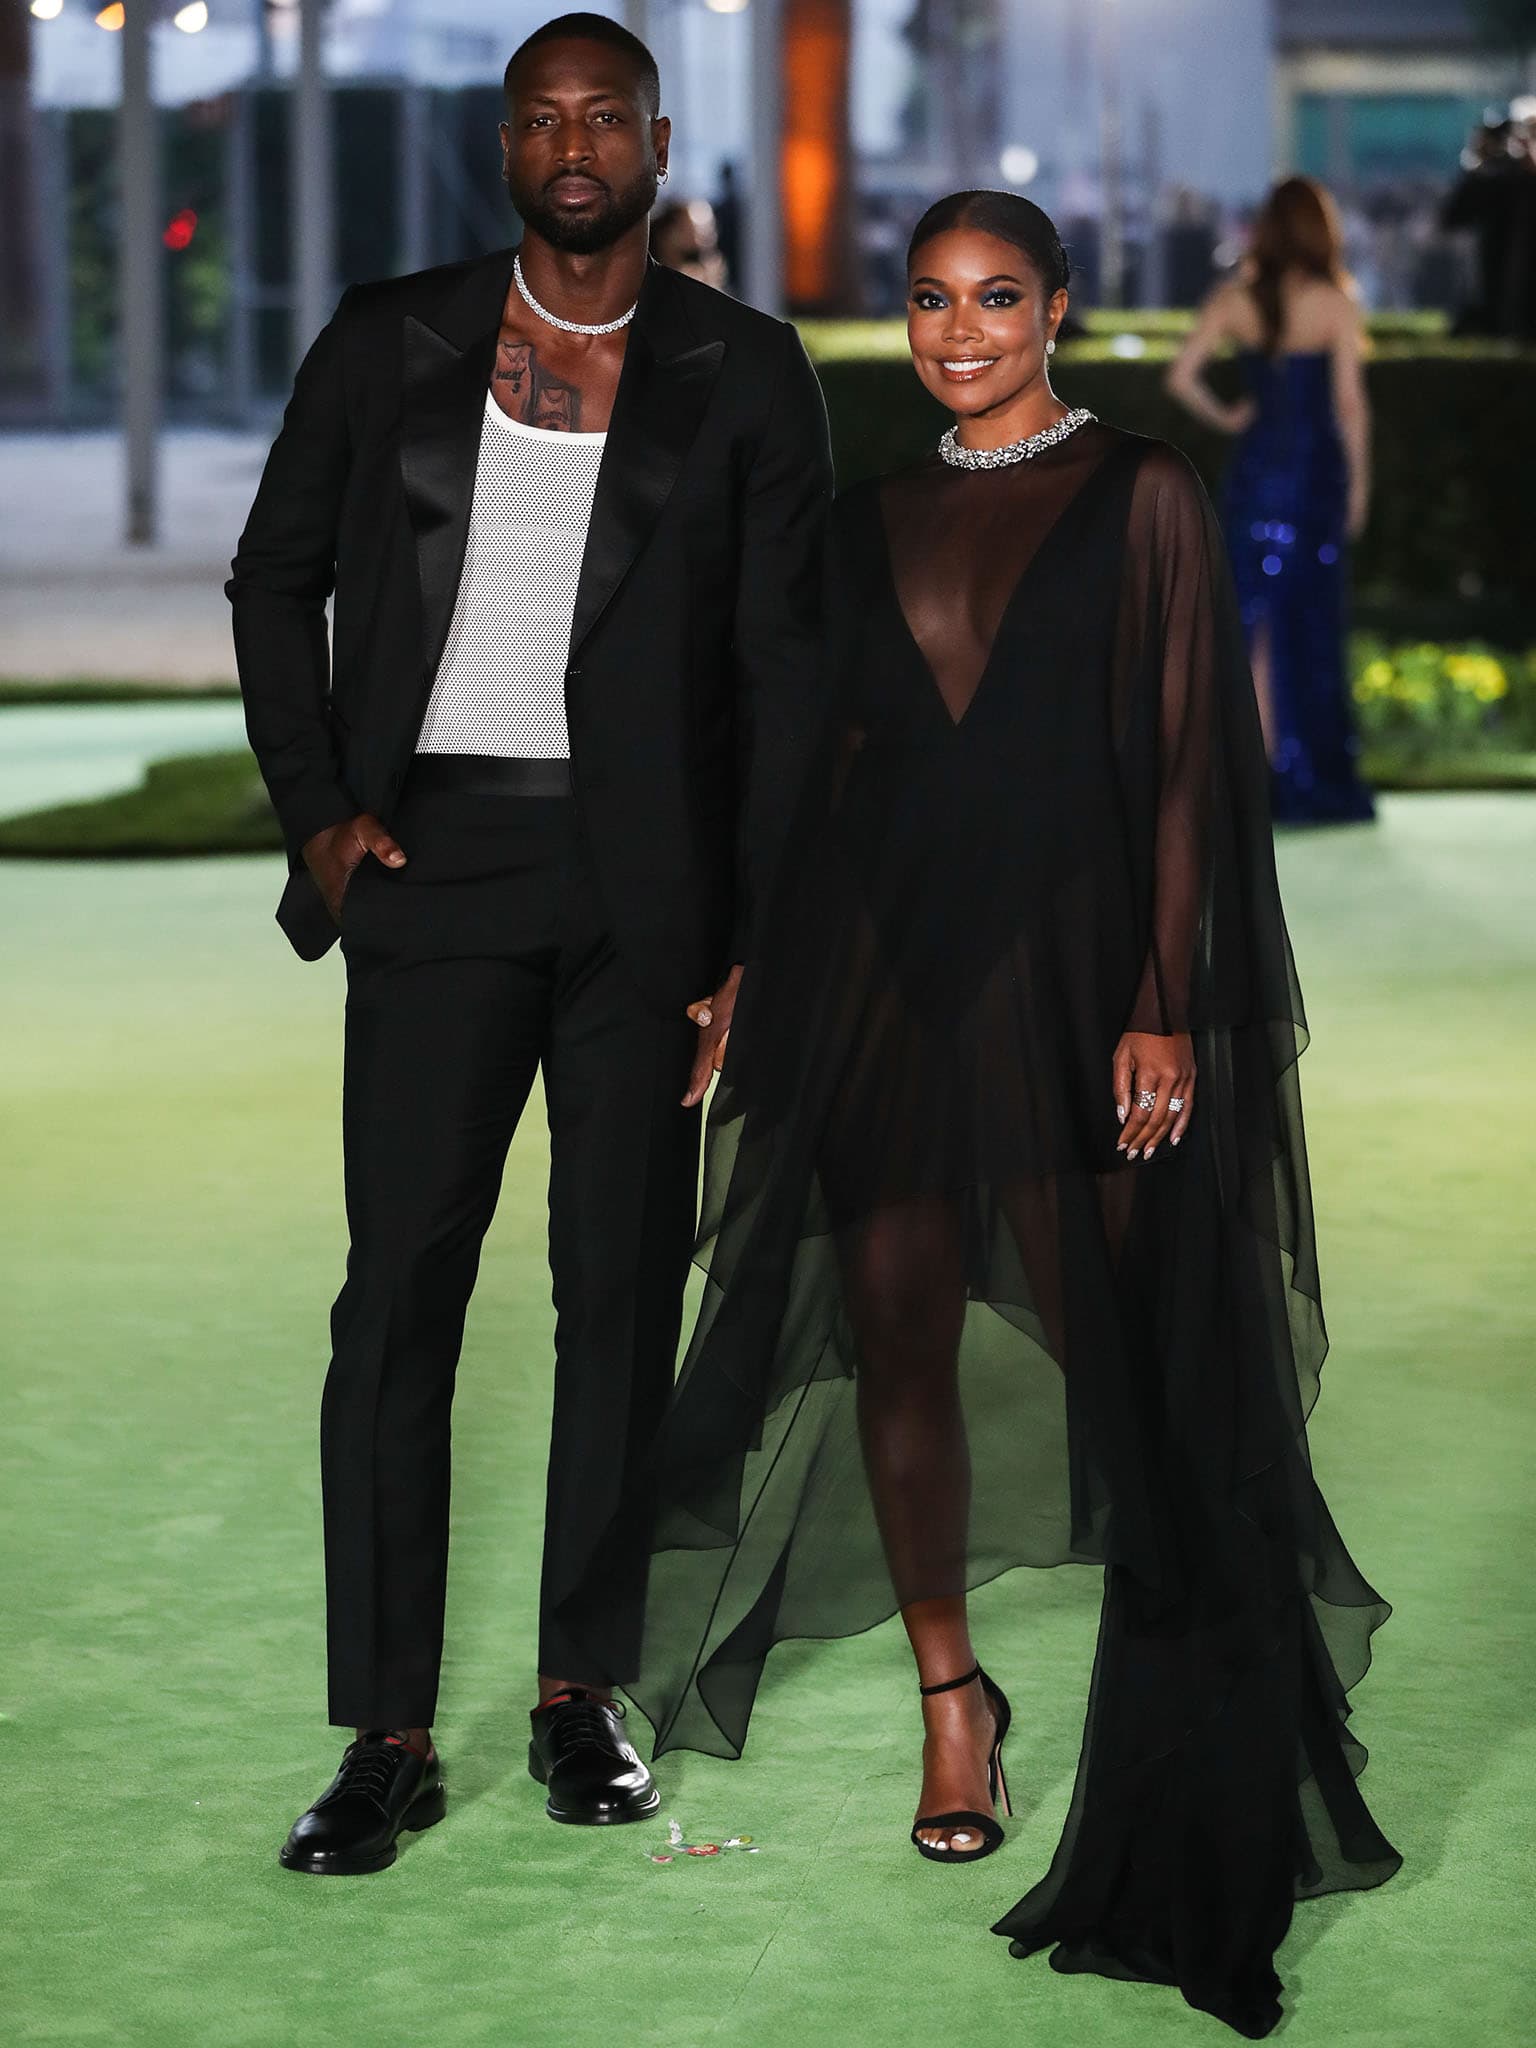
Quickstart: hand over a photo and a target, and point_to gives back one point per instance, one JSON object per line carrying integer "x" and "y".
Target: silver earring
{"x": 661, "y": 175}
{"x": 1050, "y": 348}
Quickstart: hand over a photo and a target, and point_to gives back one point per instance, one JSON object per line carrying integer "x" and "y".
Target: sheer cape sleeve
{"x": 1194, "y": 773}
{"x": 1217, "y": 1778}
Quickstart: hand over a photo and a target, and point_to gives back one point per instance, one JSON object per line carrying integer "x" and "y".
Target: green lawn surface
{"x": 170, "y": 1239}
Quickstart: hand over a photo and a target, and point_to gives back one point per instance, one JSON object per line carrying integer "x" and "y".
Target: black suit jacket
{"x": 691, "y": 691}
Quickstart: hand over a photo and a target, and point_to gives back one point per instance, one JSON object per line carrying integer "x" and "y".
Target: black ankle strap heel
{"x": 951, "y": 1684}
{"x": 976, "y": 1823}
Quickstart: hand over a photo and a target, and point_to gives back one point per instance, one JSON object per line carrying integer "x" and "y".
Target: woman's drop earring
{"x": 1050, "y": 347}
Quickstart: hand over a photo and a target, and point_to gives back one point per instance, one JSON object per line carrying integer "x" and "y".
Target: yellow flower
{"x": 1374, "y": 681}
{"x": 1479, "y": 675}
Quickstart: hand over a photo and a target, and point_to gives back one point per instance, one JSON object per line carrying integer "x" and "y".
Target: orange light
{"x": 112, "y": 16}
{"x": 813, "y": 161}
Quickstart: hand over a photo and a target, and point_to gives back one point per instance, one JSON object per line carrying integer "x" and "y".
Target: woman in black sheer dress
{"x": 1007, "y": 1225}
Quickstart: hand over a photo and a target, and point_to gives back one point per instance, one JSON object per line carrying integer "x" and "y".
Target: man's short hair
{"x": 593, "y": 28}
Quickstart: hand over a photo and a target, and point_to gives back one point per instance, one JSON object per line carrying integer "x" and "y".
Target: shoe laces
{"x": 371, "y": 1765}
{"x": 581, "y": 1722}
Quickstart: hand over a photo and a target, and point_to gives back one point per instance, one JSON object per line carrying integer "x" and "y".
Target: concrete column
{"x": 762, "y": 223}
{"x": 1111, "y": 159}
{"x": 240, "y": 175}
{"x": 413, "y": 243}
{"x": 314, "y": 193}
{"x": 141, "y": 326}
{"x": 53, "y": 251}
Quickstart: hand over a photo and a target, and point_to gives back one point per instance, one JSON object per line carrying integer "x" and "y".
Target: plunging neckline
{"x": 957, "y": 721}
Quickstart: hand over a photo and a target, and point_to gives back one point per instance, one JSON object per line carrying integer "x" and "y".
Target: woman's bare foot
{"x": 960, "y": 1728}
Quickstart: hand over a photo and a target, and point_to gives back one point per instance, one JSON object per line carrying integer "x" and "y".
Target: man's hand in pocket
{"x": 334, "y": 855}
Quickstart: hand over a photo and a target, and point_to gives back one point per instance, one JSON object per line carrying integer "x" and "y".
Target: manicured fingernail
{"x": 1150, "y": 1150}
{"x": 1134, "y": 1153}
{"x": 1120, "y": 1111}
{"x": 706, "y": 1016}
{"x": 1174, "y": 1141}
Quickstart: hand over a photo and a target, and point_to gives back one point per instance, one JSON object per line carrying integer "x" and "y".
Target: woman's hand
{"x": 713, "y": 1016}
{"x": 1154, "y": 1090}
{"x": 1185, "y": 379}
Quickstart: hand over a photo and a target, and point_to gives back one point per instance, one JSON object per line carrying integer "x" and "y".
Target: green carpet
{"x": 170, "y": 1240}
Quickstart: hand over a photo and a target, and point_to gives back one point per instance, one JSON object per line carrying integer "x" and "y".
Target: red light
{"x": 181, "y": 230}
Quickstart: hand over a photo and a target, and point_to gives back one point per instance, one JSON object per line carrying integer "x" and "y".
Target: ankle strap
{"x": 951, "y": 1684}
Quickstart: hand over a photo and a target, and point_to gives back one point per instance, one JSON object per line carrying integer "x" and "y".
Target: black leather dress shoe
{"x": 382, "y": 1789}
{"x": 581, "y": 1753}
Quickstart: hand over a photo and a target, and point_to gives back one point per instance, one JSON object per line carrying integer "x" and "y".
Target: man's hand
{"x": 713, "y": 1017}
{"x": 1162, "y": 1069}
{"x": 333, "y": 855}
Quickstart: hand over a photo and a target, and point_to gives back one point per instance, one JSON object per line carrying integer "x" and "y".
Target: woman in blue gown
{"x": 1298, "y": 490}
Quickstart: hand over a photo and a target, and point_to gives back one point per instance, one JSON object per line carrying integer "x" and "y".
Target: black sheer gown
{"x": 947, "y": 1329}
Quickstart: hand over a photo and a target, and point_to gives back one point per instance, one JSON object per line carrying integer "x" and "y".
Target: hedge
{"x": 190, "y": 804}
{"x": 29, "y": 692}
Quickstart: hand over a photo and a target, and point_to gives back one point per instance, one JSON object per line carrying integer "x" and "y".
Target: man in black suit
{"x": 569, "y": 505}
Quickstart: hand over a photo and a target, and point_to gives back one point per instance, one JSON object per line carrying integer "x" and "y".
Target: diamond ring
{"x": 1175, "y": 1103}
{"x": 1147, "y": 1099}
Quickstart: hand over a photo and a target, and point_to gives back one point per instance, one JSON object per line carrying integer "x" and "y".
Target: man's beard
{"x": 614, "y": 216}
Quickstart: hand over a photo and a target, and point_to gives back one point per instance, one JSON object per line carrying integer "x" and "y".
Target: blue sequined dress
{"x": 1285, "y": 518}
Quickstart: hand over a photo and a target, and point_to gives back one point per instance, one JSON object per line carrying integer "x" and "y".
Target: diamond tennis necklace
{"x": 1015, "y": 451}
{"x": 569, "y": 326}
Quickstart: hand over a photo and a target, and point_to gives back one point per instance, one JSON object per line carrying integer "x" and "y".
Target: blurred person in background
{"x": 1189, "y": 240}
{"x": 727, "y": 204}
{"x": 1298, "y": 490}
{"x": 1522, "y": 283}
{"x": 882, "y": 255}
{"x": 685, "y": 237}
{"x": 1486, "y": 201}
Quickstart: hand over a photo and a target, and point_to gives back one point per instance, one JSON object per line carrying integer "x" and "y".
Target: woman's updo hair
{"x": 1011, "y": 218}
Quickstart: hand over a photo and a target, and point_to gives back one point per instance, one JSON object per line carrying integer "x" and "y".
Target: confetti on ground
{"x": 675, "y": 1846}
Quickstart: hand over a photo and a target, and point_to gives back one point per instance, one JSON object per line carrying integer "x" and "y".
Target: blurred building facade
{"x": 1148, "y": 127}
{"x": 1377, "y": 98}
{"x": 1371, "y": 93}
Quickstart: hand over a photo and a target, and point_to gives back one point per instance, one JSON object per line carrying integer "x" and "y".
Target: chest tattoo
{"x": 539, "y": 398}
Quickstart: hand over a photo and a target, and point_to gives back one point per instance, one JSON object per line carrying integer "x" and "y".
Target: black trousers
{"x": 486, "y": 957}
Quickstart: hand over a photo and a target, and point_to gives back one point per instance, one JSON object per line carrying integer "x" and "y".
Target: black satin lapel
{"x": 442, "y": 410}
{"x": 656, "y": 413}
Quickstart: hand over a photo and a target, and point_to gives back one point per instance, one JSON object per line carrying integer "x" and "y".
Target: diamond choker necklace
{"x": 1015, "y": 451}
{"x": 569, "y": 326}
